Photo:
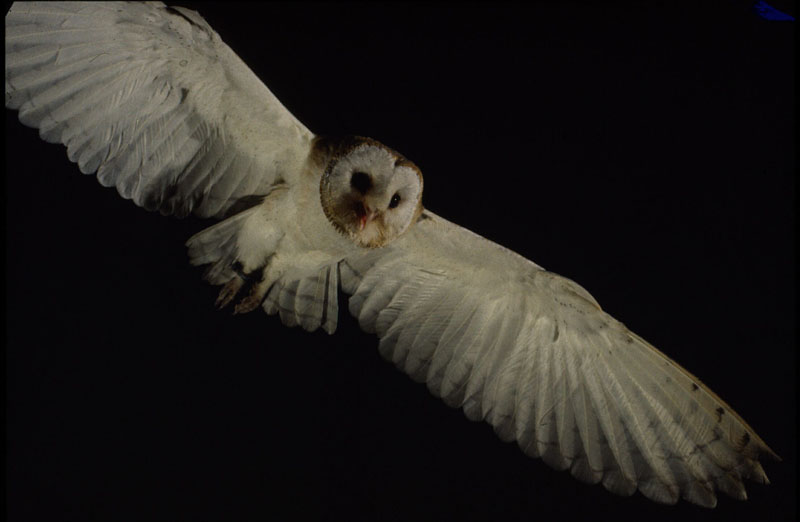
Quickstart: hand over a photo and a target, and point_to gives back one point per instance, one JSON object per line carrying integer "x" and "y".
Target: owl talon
{"x": 254, "y": 298}
{"x": 248, "y": 304}
{"x": 228, "y": 292}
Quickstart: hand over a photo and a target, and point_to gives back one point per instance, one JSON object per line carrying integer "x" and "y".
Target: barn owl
{"x": 153, "y": 101}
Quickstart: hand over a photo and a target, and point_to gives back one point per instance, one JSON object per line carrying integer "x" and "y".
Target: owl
{"x": 149, "y": 98}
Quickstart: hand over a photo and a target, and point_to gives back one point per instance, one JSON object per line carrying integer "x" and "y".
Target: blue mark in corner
{"x": 766, "y": 11}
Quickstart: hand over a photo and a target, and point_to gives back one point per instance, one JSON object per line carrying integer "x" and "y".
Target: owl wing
{"x": 151, "y": 99}
{"x": 533, "y": 354}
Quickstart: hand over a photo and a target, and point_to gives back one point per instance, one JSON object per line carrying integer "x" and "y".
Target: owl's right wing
{"x": 533, "y": 354}
{"x": 152, "y": 99}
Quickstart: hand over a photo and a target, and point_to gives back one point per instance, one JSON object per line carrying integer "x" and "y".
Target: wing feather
{"x": 588, "y": 469}
{"x": 443, "y": 353}
{"x": 533, "y": 354}
{"x": 151, "y": 99}
{"x": 425, "y": 342}
{"x": 309, "y": 301}
{"x": 465, "y": 353}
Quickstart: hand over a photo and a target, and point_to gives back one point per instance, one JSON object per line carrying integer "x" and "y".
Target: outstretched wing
{"x": 150, "y": 98}
{"x": 533, "y": 354}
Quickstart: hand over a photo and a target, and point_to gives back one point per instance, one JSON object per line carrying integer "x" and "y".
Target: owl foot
{"x": 253, "y": 300}
{"x": 228, "y": 292}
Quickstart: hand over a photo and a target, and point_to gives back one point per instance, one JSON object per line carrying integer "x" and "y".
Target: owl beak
{"x": 365, "y": 217}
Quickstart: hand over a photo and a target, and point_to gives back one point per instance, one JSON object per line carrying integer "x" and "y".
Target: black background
{"x": 645, "y": 152}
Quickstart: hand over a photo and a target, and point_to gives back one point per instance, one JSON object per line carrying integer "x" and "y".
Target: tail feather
{"x": 311, "y": 302}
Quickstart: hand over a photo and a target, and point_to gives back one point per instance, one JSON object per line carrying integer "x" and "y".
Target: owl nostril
{"x": 361, "y": 182}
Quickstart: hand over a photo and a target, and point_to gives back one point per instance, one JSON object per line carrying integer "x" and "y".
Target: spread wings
{"x": 150, "y": 98}
{"x": 533, "y": 354}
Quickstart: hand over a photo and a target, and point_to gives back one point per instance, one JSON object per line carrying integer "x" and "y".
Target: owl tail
{"x": 310, "y": 301}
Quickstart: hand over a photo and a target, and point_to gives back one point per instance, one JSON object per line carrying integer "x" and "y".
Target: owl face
{"x": 369, "y": 192}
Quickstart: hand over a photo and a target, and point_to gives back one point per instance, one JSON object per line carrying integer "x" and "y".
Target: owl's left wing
{"x": 533, "y": 354}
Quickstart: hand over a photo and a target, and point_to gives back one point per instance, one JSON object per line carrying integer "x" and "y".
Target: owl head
{"x": 369, "y": 192}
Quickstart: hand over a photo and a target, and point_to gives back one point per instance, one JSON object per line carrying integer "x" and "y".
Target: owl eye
{"x": 361, "y": 182}
{"x": 395, "y": 200}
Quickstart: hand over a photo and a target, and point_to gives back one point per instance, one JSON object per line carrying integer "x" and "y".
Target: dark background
{"x": 645, "y": 152}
